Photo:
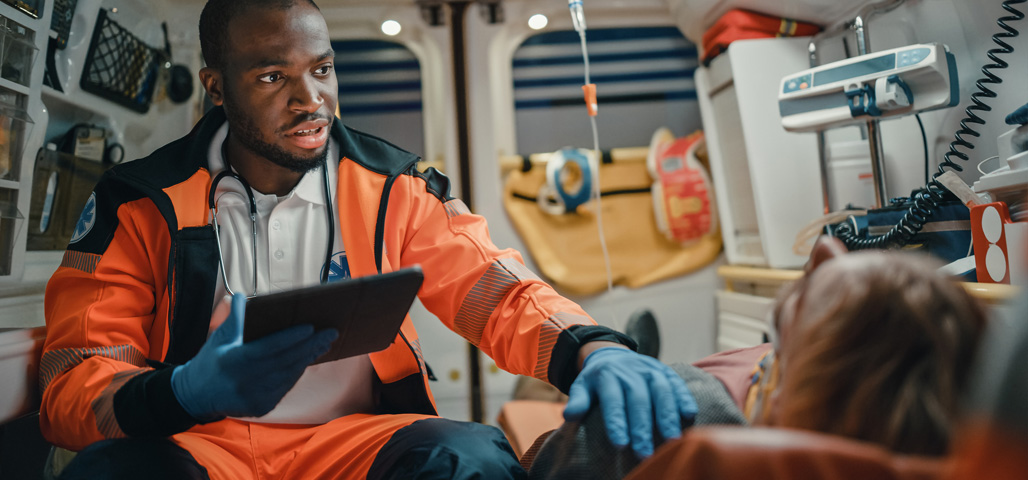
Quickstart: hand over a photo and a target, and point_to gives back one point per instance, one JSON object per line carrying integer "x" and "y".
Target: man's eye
{"x": 270, "y": 78}
{"x": 324, "y": 70}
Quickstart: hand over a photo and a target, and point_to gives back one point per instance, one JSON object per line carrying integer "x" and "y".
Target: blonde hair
{"x": 879, "y": 350}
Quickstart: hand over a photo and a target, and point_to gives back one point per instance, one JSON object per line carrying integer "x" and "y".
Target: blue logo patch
{"x": 338, "y": 268}
{"x": 86, "y": 220}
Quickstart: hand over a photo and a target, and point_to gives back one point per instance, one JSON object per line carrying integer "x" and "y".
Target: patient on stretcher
{"x": 873, "y": 346}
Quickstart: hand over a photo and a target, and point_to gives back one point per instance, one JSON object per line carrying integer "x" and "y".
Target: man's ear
{"x": 214, "y": 84}
{"x": 825, "y": 248}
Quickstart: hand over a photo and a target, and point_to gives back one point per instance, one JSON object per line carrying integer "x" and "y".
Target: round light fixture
{"x": 538, "y": 21}
{"x": 391, "y": 27}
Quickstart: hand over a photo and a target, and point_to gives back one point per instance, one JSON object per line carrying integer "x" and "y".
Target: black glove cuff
{"x": 564, "y": 358}
{"x": 146, "y": 406}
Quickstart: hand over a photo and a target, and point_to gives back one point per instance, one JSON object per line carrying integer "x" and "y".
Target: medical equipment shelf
{"x": 992, "y": 293}
{"x": 16, "y": 87}
{"x": 744, "y": 305}
{"x": 695, "y": 16}
{"x": 772, "y": 276}
{"x": 732, "y": 275}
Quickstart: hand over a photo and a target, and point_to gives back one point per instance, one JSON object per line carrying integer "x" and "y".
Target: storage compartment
{"x": 10, "y": 224}
{"x": 741, "y": 209}
{"x": 753, "y": 306}
{"x": 61, "y": 185}
{"x": 17, "y": 52}
{"x": 15, "y": 126}
{"x": 694, "y": 17}
{"x": 742, "y": 319}
{"x": 737, "y": 331}
{"x": 767, "y": 180}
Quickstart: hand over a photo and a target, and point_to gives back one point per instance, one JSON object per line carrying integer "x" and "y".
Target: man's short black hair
{"x": 215, "y": 19}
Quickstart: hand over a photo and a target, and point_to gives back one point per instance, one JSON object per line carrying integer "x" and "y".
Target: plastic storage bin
{"x": 17, "y": 52}
{"x": 61, "y": 185}
{"x": 10, "y": 224}
{"x": 15, "y": 126}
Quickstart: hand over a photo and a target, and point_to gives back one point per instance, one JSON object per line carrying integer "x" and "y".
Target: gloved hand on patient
{"x": 634, "y": 392}
{"x": 230, "y": 378}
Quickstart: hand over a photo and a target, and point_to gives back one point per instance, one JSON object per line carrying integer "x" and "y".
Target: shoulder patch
{"x": 99, "y": 218}
{"x": 86, "y": 220}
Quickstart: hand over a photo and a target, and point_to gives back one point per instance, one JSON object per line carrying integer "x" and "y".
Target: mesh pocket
{"x": 120, "y": 67}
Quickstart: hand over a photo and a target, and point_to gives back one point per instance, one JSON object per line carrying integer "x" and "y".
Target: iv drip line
{"x": 578, "y": 20}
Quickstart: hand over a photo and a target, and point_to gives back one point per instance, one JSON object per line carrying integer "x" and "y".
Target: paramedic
{"x": 137, "y": 369}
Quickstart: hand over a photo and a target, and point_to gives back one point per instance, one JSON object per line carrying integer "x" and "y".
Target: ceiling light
{"x": 538, "y": 21}
{"x": 391, "y": 27}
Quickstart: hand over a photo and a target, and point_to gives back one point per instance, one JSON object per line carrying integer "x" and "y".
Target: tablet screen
{"x": 367, "y": 311}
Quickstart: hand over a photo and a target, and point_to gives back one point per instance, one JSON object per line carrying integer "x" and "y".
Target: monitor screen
{"x": 865, "y": 67}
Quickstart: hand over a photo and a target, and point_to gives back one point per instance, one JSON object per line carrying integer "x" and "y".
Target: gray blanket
{"x": 581, "y": 449}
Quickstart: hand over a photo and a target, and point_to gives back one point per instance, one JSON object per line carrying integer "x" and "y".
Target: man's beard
{"x": 243, "y": 128}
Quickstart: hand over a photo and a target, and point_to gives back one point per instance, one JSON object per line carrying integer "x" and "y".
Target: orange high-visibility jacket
{"x": 134, "y": 292}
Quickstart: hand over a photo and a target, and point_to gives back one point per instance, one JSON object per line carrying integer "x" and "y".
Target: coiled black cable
{"x": 927, "y": 199}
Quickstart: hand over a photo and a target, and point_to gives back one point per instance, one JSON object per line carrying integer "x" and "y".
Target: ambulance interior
{"x": 721, "y": 155}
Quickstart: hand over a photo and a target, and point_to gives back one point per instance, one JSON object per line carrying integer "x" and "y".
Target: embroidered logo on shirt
{"x": 338, "y": 268}
{"x": 86, "y": 220}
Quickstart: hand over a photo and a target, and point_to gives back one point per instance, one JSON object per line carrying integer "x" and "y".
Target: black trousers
{"x": 433, "y": 448}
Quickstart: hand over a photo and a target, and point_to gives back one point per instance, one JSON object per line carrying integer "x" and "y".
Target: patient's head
{"x": 876, "y": 346}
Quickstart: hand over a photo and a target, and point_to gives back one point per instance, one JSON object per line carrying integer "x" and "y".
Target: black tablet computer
{"x": 367, "y": 311}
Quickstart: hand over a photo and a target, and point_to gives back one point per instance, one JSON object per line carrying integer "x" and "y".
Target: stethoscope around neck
{"x": 213, "y": 205}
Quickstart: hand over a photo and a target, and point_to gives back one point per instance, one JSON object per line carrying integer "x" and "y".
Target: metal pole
{"x": 873, "y": 130}
{"x": 458, "y": 11}
{"x": 874, "y": 133}
{"x": 821, "y": 154}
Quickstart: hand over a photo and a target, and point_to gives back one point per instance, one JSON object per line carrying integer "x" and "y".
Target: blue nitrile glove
{"x": 632, "y": 391}
{"x": 230, "y": 378}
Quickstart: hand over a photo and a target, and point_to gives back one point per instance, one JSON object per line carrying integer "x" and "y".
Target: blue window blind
{"x": 643, "y": 77}
{"x": 380, "y": 90}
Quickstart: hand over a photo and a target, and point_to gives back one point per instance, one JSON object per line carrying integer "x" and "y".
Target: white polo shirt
{"x": 292, "y": 237}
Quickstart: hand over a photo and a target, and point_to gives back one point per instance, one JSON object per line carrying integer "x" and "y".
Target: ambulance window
{"x": 380, "y": 91}
{"x": 643, "y": 77}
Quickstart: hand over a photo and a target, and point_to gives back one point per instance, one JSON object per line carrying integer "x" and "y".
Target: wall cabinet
{"x": 22, "y": 124}
{"x": 100, "y": 72}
